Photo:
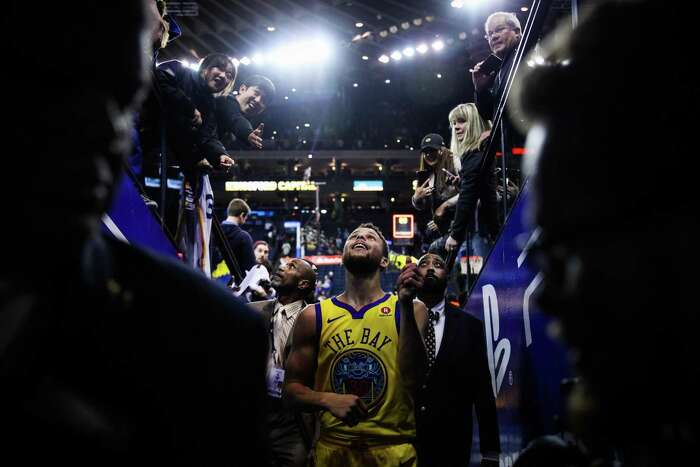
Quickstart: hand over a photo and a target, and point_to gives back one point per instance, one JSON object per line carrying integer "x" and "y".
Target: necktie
{"x": 430, "y": 337}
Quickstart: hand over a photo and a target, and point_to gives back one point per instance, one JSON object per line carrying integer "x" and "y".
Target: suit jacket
{"x": 459, "y": 381}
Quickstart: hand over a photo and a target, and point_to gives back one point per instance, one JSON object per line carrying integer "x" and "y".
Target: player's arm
{"x": 413, "y": 362}
{"x": 300, "y": 372}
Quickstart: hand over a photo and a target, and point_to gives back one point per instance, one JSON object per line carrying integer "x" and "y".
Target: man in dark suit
{"x": 458, "y": 379}
{"x": 289, "y": 433}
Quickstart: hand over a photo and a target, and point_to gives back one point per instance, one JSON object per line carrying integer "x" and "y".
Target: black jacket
{"x": 458, "y": 382}
{"x": 180, "y": 91}
{"x": 241, "y": 244}
{"x": 234, "y": 127}
{"x": 475, "y": 185}
{"x": 126, "y": 358}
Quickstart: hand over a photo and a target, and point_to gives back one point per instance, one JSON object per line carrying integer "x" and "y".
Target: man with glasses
{"x": 503, "y": 35}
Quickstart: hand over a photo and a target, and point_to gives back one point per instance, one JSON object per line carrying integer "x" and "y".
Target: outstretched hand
{"x": 255, "y": 137}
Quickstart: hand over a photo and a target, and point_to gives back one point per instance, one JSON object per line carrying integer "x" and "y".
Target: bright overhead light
{"x": 294, "y": 89}
{"x": 418, "y": 21}
{"x": 387, "y": 81}
{"x": 354, "y": 85}
{"x": 405, "y": 25}
{"x": 457, "y": 4}
{"x": 393, "y": 29}
{"x": 523, "y": 8}
{"x": 439, "y": 75}
{"x": 396, "y": 55}
{"x": 383, "y": 33}
{"x": 236, "y": 62}
{"x": 409, "y": 51}
{"x": 307, "y": 125}
{"x": 422, "y": 48}
{"x": 258, "y": 59}
{"x": 359, "y": 24}
{"x": 303, "y": 52}
{"x": 286, "y": 98}
{"x": 383, "y": 59}
{"x": 365, "y": 57}
{"x": 438, "y": 45}
{"x": 245, "y": 61}
{"x": 311, "y": 156}
{"x": 271, "y": 28}
{"x": 462, "y": 36}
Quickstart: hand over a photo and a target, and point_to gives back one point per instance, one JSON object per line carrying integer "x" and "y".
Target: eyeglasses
{"x": 498, "y": 30}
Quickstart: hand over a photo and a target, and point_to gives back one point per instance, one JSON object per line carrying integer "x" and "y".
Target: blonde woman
{"x": 477, "y": 185}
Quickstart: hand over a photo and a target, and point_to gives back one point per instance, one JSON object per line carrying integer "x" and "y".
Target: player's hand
{"x": 409, "y": 282}
{"x": 347, "y": 407}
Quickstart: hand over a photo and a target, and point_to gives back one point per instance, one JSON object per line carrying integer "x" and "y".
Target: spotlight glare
{"x": 462, "y": 36}
{"x": 354, "y": 85}
{"x": 365, "y": 57}
{"x": 236, "y": 62}
{"x": 405, "y": 25}
{"x": 383, "y": 33}
{"x": 387, "y": 81}
{"x": 439, "y": 75}
{"x": 396, "y": 55}
{"x": 524, "y": 8}
{"x": 258, "y": 59}
{"x": 307, "y": 125}
{"x": 271, "y": 28}
{"x": 286, "y": 98}
{"x": 457, "y": 4}
{"x": 311, "y": 156}
{"x": 438, "y": 45}
{"x": 418, "y": 21}
{"x": 359, "y": 24}
{"x": 383, "y": 59}
{"x": 409, "y": 51}
{"x": 294, "y": 89}
{"x": 422, "y": 48}
{"x": 393, "y": 29}
{"x": 245, "y": 61}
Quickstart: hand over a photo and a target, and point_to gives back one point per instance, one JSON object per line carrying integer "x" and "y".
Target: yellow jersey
{"x": 358, "y": 354}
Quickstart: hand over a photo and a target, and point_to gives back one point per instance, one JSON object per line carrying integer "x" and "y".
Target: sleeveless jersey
{"x": 358, "y": 354}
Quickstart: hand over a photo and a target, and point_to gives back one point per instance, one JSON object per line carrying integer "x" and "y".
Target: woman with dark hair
{"x": 436, "y": 190}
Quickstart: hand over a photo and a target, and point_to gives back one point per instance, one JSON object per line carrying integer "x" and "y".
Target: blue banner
{"x": 130, "y": 220}
{"x": 527, "y": 366}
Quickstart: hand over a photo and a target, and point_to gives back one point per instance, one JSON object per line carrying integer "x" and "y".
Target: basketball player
{"x": 348, "y": 361}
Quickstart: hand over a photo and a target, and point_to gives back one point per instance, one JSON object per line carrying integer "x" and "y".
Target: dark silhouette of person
{"x": 112, "y": 356}
{"x": 618, "y": 225}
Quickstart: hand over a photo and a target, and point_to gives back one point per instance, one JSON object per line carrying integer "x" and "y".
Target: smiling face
{"x": 364, "y": 252}
{"x": 251, "y": 100}
{"x": 217, "y": 79}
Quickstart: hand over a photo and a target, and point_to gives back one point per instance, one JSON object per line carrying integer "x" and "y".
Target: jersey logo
{"x": 386, "y": 310}
{"x": 334, "y": 319}
{"x": 361, "y": 373}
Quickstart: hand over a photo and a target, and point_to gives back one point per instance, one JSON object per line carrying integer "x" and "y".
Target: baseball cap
{"x": 432, "y": 141}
